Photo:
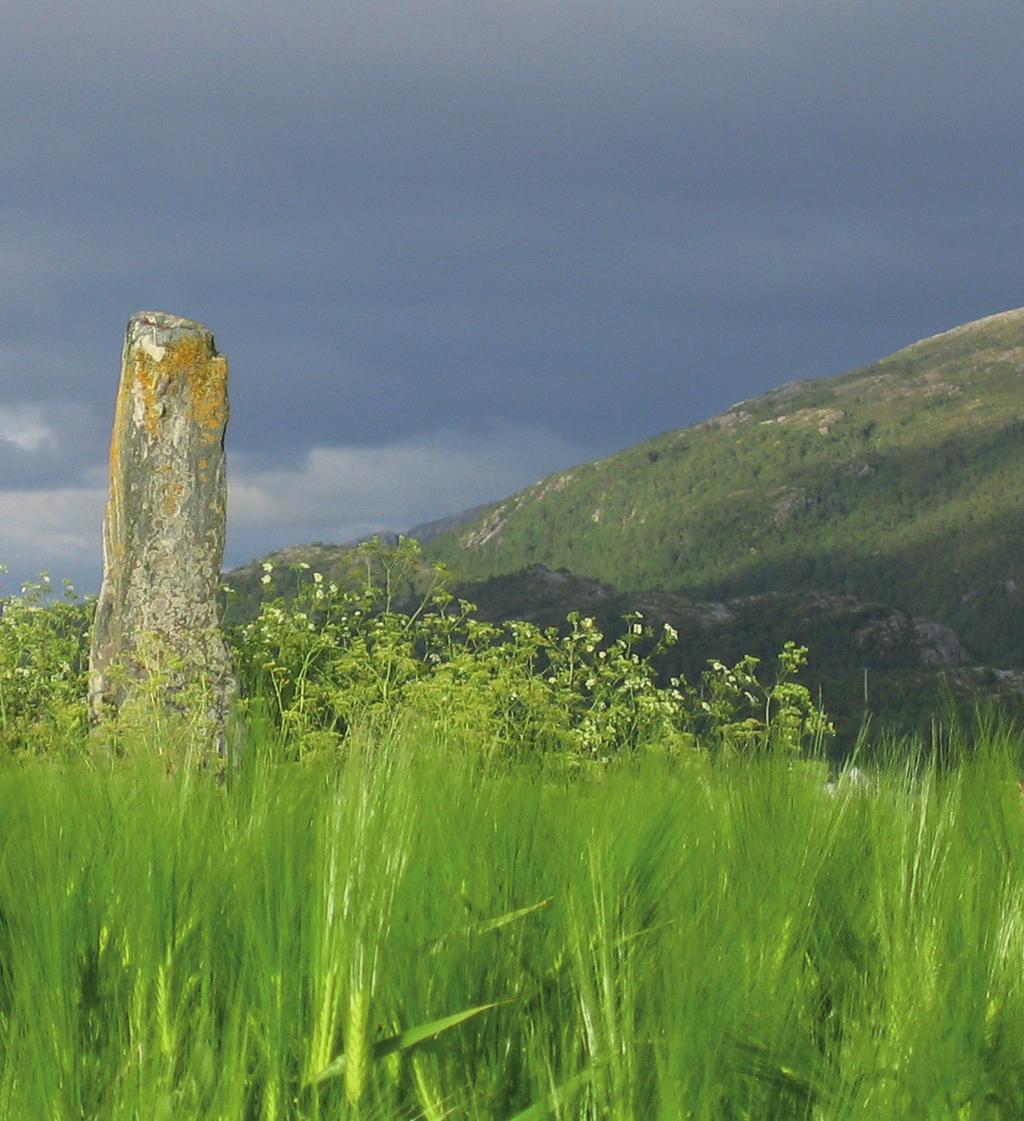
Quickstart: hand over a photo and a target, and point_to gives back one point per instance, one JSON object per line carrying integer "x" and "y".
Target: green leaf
{"x": 556, "y": 1098}
{"x": 513, "y": 916}
{"x": 491, "y": 925}
{"x": 406, "y": 1040}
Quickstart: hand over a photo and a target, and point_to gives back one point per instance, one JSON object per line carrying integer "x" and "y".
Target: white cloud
{"x": 335, "y": 494}
{"x": 24, "y": 427}
{"x": 349, "y": 491}
{"x": 57, "y": 530}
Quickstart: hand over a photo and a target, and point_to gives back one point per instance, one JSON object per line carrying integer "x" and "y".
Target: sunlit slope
{"x": 901, "y": 482}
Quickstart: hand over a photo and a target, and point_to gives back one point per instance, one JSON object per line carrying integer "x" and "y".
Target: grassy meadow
{"x": 398, "y": 930}
{"x": 494, "y": 873}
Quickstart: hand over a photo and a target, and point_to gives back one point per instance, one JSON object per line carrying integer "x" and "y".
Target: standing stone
{"x": 163, "y": 536}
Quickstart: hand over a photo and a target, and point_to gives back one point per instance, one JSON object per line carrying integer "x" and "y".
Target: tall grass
{"x": 399, "y": 932}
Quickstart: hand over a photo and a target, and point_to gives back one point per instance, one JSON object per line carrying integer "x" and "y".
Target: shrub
{"x": 44, "y": 662}
{"x": 333, "y": 658}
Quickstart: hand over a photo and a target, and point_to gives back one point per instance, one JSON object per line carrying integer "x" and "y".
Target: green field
{"x": 476, "y": 871}
{"x": 669, "y": 937}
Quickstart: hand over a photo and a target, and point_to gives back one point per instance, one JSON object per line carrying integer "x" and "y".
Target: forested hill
{"x": 900, "y": 483}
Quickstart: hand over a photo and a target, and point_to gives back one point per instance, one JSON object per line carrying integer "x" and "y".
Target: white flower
{"x": 265, "y": 579}
{"x": 318, "y": 577}
{"x": 267, "y": 566}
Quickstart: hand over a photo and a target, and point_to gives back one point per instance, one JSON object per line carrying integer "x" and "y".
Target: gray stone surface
{"x": 163, "y": 535}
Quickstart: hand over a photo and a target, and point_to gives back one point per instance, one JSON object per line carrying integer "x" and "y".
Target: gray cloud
{"x": 55, "y": 530}
{"x": 334, "y": 493}
{"x": 352, "y": 491}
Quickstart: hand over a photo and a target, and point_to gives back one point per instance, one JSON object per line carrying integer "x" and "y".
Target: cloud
{"x": 48, "y": 444}
{"x": 334, "y": 494}
{"x": 341, "y": 493}
{"x": 59, "y": 530}
{"x": 23, "y": 426}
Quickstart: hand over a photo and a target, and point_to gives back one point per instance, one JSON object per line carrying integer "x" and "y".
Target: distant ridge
{"x": 427, "y": 531}
{"x": 1013, "y": 316}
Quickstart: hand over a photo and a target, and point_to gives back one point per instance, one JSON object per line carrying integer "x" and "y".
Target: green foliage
{"x": 44, "y": 656}
{"x": 789, "y": 718}
{"x": 332, "y": 659}
{"x": 328, "y": 660}
{"x": 848, "y": 514}
{"x": 394, "y": 930}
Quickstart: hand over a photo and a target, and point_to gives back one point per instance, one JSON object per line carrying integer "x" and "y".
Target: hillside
{"x": 874, "y": 517}
{"x": 899, "y": 484}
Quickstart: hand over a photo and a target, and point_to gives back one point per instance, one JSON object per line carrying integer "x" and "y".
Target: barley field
{"x": 397, "y": 930}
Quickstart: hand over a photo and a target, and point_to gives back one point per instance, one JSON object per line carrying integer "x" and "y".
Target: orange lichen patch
{"x": 187, "y": 360}
{"x": 209, "y": 385}
{"x": 139, "y": 385}
{"x": 173, "y": 493}
{"x": 114, "y": 537}
{"x": 206, "y": 376}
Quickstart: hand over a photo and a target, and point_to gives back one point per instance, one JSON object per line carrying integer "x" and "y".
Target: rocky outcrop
{"x": 930, "y": 643}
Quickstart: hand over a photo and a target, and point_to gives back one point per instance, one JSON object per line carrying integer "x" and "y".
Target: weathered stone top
{"x": 156, "y": 331}
{"x": 167, "y": 356}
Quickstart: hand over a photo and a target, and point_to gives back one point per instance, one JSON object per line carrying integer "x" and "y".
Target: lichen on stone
{"x": 165, "y": 522}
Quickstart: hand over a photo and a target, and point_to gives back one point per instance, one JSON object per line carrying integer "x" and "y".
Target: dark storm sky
{"x": 449, "y": 247}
